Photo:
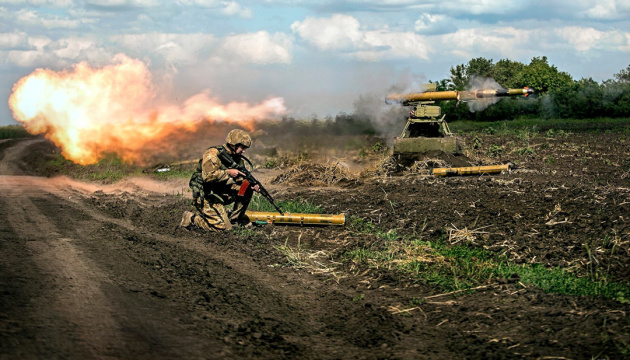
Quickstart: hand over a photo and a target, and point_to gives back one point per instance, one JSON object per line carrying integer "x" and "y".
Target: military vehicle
{"x": 426, "y": 131}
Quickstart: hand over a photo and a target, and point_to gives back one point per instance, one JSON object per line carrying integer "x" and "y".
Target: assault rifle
{"x": 228, "y": 161}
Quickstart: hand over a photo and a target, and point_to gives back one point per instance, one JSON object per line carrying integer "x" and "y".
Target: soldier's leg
{"x": 240, "y": 206}
{"x": 211, "y": 217}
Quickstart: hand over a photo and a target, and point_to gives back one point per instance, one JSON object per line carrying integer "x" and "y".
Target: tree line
{"x": 558, "y": 94}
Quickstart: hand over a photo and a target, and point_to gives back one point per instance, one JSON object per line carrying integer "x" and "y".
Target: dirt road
{"x": 79, "y": 283}
{"x": 96, "y": 271}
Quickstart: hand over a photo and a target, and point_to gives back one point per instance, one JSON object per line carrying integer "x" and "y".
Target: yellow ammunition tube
{"x": 425, "y": 96}
{"x": 473, "y": 170}
{"x": 296, "y": 219}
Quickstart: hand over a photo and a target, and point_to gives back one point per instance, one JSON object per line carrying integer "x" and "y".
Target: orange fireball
{"x": 89, "y": 112}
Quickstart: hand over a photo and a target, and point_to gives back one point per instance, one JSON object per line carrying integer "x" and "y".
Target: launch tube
{"x": 296, "y": 219}
{"x": 454, "y": 95}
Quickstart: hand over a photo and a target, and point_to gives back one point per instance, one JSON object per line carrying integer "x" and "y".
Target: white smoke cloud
{"x": 482, "y": 83}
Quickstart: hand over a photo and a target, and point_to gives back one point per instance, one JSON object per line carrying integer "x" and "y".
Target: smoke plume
{"x": 482, "y": 83}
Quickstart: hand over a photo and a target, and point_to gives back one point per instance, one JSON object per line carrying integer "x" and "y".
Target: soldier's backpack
{"x": 196, "y": 184}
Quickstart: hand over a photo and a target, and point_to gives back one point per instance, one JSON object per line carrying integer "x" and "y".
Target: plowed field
{"x": 93, "y": 270}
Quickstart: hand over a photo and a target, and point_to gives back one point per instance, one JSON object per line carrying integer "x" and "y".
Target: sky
{"x": 318, "y": 56}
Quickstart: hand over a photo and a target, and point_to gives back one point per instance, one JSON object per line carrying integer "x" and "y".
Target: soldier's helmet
{"x": 238, "y": 136}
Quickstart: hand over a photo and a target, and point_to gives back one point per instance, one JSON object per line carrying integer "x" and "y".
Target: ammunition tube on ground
{"x": 296, "y": 219}
{"x": 473, "y": 170}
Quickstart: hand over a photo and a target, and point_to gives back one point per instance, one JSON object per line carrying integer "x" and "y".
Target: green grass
{"x": 461, "y": 267}
{"x": 550, "y": 127}
{"x": 259, "y": 203}
{"x": 109, "y": 169}
{"x": 13, "y": 131}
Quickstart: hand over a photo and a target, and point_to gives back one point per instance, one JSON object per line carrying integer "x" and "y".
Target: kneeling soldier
{"x": 214, "y": 185}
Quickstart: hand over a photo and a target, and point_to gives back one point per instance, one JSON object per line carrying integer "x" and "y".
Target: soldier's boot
{"x": 186, "y": 222}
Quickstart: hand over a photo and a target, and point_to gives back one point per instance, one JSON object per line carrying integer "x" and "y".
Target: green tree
{"x": 459, "y": 77}
{"x": 444, "y": 85}
{"x": 543, "y": 77}
{"x": 461, "y": 74}
{"x": 623, "y": 76}
{"x": 506, "y": 72}
{"x": 480, "y": 67}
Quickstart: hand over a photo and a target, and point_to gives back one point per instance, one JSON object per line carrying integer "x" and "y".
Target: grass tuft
{"x": 455, "y": 265}
{"x": 259, "y": 203}
{"x": 549, "y": 127}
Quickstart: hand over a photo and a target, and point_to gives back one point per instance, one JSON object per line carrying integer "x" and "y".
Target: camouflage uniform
{"x": 219, "y": 189}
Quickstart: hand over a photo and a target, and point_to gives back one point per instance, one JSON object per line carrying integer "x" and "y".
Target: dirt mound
{"x": 313, "y": 174}
{"x": 392, "y": 166}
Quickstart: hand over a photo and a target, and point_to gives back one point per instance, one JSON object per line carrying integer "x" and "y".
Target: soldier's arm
{"x": 211, "y": 168}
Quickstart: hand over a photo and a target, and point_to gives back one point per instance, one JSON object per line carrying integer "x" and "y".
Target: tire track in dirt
{"x": 80, "y": 311}
{"x": 252, "y": 308}
{"x": 12, "y": 155}
{"x": 77, "y": 296}
{"x": 58, "y": 301}
{"x": 292, "y": 313}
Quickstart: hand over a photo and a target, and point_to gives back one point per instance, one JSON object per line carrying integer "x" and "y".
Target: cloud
{"x": 334, "y": 33}
{"x": 121, "y": 4}
{"x": 14, "y": 40}
{"x": 228, "y": 8}
{"x": 586, "y": 39}
{"x": 513, "y": 43}
{"x": 625, "y": 46}
{"x": 452, "y": 7}
{"x": 506, "y": 41}
{"x": 607, "y": 9}
{"x": 178, "y": 49}
{"x": 433, "y": 23}
{"x": 168, "y": 49}
{"x": 54, "y": 3}
{"x": 32, "y": 18}
{"x": 258, "y": 48}
{"x": 481, "y": 7}
{"x": 232, "y": 8}
{"x": 582, "y": 39}
{"x": 344, "y": 33}
{"x": 43, "y": 52}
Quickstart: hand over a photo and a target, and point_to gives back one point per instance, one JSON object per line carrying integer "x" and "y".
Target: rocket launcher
{"x": 410, "y": 99}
